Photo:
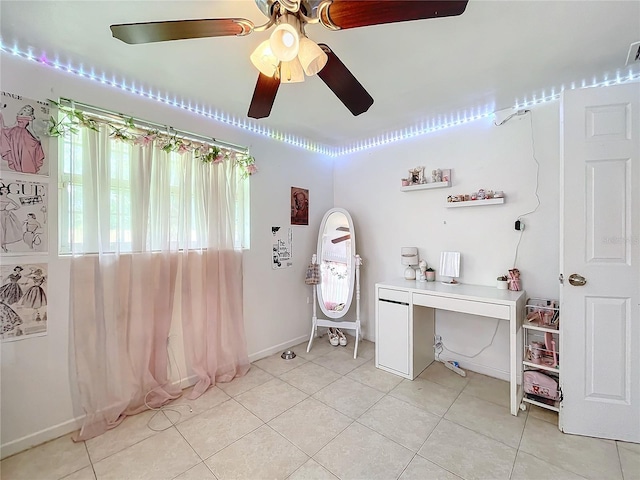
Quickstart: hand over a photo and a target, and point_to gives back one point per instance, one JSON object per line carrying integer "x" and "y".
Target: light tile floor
{"x": 325, "y": 415}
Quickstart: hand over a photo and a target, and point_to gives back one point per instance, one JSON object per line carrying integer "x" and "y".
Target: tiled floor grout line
{"x": 513, "y": 466}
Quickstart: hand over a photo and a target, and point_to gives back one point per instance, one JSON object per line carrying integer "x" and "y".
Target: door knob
{"x": 577, "y": 280}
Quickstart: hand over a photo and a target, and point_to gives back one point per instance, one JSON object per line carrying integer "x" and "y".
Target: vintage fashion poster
{"x": 299, "y": 206}
{"x": 24, "y": 124}
{"x": 23, "y": 301}
{"x": 23, "y": 216}
{"x": 281, "y": 251}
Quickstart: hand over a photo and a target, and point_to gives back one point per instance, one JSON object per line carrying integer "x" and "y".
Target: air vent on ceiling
{"x": 634, "y": 54}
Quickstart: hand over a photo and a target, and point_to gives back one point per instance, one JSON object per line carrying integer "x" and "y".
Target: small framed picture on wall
{"x": 299, "y": 206}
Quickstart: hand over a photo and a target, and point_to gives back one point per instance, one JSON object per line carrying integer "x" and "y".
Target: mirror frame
{"x": 352, "y": 267}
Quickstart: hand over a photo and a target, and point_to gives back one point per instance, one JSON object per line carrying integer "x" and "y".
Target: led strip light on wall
{"x": 413, "y": 131}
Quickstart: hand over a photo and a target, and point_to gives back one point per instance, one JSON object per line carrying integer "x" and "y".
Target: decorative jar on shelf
{"x": 430, "y": 275}
{"x": 502, "y": 283}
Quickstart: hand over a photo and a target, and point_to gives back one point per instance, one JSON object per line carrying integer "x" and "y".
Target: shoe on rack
{"x": 342, "y": 339}
{"x": 333, "y": 337}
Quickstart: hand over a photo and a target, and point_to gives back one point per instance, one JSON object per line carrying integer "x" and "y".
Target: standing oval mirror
{"x": 336, "y": 255}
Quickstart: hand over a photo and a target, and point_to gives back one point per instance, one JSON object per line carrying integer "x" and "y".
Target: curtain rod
{"x": 150, "y": 125}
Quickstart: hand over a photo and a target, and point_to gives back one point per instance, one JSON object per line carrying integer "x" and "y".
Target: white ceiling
{"x": 496, "y": 54}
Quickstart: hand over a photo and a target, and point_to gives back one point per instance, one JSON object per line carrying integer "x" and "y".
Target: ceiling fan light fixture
{"x": 285, "y": 39}
{"x": 291, "y": 72}
{"x": 312, "y": 57}
{"x": 264, "y": 59}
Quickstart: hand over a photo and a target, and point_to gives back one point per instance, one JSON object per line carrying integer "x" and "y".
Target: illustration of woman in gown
{"x": 9, "y": 320}
{"x": 19, "y": 144}
{"x": 11, "y": 292}
{"x": 10, "y": 231}
{"x": 35, "y": 296}
{"x": 31, "y": 235}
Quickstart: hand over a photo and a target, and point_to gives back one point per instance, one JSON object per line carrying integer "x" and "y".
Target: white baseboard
{"x": 64, "y": 428}
{"x": 277, "y": 348}
{"x": 37, "y": 438}
{"x": 477, "y": 368}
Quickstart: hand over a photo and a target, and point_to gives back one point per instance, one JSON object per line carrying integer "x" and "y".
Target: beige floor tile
{"x": 320, "y": 346}
{"x": 360, "y": 453}
{"x": 391, "y": 417}
{"x": 528, "y": 467}
{"x": 542, "y": 414}
{"x": 309, "y": 377}
{"x": 366, "y": 349}
{"x": 374, "y": 377}
{"x": 312, "y": 470}
{"x": 467, "y": 453}
{"x": 199, "y": 472}
{"x": 424, "y": 394}
{"x": 51, "y": 460}
{"x": 132, "y": 430}
{"x": 630, "y": 462}
{"x": 340, "y": 360}
{"x": 438, "y": 373}
{"x": 162, "y": 456}
{"x": 422, "y": 469}
{"x": 213, "y": 430}
{"x": 262, "y": 454}
{"x": 276, "y": 365}
{"x": 310, "y": 425}
{"x": 254, "y": 377}
{"x": 488, "y": 419}
{"x": 348, "y": 397}
{"x": 634, "y": 447}
{"x": 182, "y": 409}
{"x": 85, "y": 473}
{"x": 589, "y": 457}
{"x": 271, "y": 399}
{"x": 490, "y": 389}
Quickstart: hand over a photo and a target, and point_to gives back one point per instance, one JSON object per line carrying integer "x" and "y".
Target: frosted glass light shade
{"x": 264, "y": 59}
{"x": 291, "y": 72}
{"x": 312, "y": 57}
{"x": 285, "y": 39}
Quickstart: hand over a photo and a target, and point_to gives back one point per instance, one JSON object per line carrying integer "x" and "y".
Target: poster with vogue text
{"x": 24, "y": 124}
{"x": 23, "y": 216}
{"x": 23, "y": 301}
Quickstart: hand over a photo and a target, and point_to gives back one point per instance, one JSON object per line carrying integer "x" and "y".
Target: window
{"x": 151, "y": 199}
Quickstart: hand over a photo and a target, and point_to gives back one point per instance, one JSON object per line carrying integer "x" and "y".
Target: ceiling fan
{"x": 288, "y": 55}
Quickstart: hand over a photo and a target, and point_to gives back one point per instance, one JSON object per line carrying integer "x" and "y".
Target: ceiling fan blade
{"x": 342, "y": 82}
{"x": 360, "y": 13}
{"x": 134, "y": 33}
{"x": 263, "y": 96}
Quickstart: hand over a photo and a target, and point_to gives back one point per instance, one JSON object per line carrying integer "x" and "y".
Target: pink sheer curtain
{"x": 155, "y": 229}
{"x": 212, "y": 290}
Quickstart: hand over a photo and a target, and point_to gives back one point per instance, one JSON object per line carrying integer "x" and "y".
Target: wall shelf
{"x": 475, "y": 203}
{"x": 425, "y": 186}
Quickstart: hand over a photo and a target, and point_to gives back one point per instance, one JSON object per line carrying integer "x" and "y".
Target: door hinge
{"x": 561, "y": 279}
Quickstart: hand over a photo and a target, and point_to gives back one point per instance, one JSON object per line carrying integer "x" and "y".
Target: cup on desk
{"x": 430, "y": 275}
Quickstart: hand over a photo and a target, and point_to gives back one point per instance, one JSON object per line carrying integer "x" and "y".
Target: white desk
{"x": 405, "y": 323}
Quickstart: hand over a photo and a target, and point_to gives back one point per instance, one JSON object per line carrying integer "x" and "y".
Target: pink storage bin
{"x": 537, "y": 383}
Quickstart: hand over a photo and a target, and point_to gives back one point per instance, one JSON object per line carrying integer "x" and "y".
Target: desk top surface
{"x": 461, "y": 290}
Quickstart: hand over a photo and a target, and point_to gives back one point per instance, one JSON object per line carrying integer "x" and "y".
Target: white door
{"x": 600, "y": 241}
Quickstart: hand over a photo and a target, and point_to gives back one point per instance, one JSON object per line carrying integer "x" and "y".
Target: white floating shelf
{"x": 426, "y": 186}
{"x": 475, "y": 203}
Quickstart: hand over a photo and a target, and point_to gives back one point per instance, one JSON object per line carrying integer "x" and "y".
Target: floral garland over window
{"x": 129, "y": 133}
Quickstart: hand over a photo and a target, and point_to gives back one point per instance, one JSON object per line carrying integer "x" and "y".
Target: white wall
{"x": 37, "y": 397}
{"x": 481, "y": 155}
{"x": 38, "y": 401}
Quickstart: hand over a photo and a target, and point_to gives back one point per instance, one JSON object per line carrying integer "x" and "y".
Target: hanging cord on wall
{"x": 535, "y": 159}
{"x": 166, "y": 408}
{"x": 533, "y": 154}
{"x": 440, "y": 346}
